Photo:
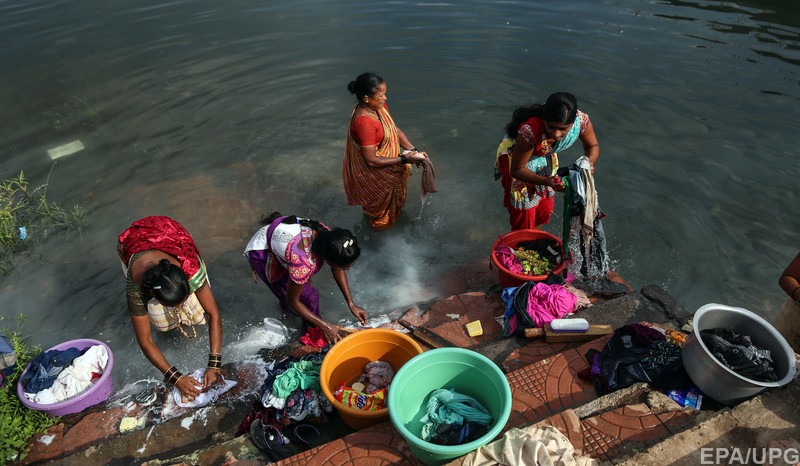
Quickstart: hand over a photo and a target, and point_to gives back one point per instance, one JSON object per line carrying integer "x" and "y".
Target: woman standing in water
{"x": 288, "y": 251}
{"x": 527, "y": 158}
{"x": 376, "y": 161}
{"x": 167, "y": 287}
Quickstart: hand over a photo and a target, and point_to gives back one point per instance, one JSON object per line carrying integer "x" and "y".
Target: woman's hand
{"x": 415, "y": 156}
{"x": 212, "y": 377}
{"x": 359, "y": 313}
{"x": 556, "y": 183}
{"x": 331, "y": 332}
{"x": 189, "y": 388}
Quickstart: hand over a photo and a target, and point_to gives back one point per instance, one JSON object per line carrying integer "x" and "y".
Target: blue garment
{"x": 5, "y": 344}
{"x": 8, "y": 358}
{"x": 45, "y": 368}
{"x": 508, "y": 295}
{"x": 450, "y": 407}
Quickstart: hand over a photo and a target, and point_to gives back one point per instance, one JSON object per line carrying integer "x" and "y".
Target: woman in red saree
{"x": 376, "y": 161}
{"x": 167, "y": 287}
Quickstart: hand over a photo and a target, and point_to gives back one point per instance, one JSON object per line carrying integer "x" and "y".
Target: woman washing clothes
{"x": 527, "y": 158}
{"x": 378, "y": 155}
{"x": 287, "y": 251}
{"x": 167, "y": 287}
{"x": 787, "y": 322}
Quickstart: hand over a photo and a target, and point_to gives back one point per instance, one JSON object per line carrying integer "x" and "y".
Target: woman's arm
{"x": 331, "y": 331}
{"x": 206, "y": 299}
{"x": 790, "y": 280}
{"x": 188, "y": 386}
{"x": 372, "y": 159}
{"x": 519, "y": 159}
{"x": 591, "y": 148}
{"x": 340, "y": 275}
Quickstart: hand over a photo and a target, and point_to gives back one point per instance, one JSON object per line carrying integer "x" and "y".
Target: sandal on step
{"x": 269, "y": 439}
{"x": 307, "y": 435}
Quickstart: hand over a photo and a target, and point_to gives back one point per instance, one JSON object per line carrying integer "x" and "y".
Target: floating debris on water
{"x": 66, "y": 149}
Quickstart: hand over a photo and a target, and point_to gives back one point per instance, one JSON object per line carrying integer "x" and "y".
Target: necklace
{"x": 368, "y": 110}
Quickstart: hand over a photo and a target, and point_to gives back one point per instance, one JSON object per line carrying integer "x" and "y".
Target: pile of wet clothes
{"x": 58, "y": 375}
{"x": 453, "y": 418}
{"x": 290, "y": 392}
{"x": 636, "y": 353}
{"x": 535, "y": 304}
{"x": 738, "y": 353}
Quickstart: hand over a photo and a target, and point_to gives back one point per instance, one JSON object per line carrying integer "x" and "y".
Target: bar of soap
{"x": 358, "y": 386}
{"x": 129, "y": 424}
{"x": 474, "y": 329}
{"x": 569, "y": 325}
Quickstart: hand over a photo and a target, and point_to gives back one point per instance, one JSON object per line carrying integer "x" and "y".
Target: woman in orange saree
{"x": 378, "y": 155}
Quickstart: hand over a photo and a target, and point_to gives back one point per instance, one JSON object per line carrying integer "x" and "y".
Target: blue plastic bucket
{"x": 462, "y": 370}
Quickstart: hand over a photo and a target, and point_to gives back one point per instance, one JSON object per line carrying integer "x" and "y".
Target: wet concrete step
{"x": 547, "y": 392}
{"x": 542, "y": 377}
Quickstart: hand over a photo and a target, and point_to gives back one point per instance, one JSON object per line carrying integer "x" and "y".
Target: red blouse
{"x": 367, "y": 131}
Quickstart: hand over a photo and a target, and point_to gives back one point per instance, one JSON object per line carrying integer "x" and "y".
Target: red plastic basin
{"x": 509, "y": 278}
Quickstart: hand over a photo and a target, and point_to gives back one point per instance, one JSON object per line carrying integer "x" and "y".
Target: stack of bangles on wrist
{"x": 214, "y": 360}
{"x": 172, "y": 375}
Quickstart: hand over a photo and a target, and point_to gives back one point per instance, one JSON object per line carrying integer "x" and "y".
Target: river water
{"x": 215, "y": 113}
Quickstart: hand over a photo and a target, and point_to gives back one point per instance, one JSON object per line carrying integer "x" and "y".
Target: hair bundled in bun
{"x": 167, "y": 282}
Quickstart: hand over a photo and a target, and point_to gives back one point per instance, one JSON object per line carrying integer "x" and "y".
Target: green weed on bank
{"x": 26, "y": 215}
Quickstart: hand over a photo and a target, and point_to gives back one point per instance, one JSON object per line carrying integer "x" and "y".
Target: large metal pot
{"x": 715, "y": 379}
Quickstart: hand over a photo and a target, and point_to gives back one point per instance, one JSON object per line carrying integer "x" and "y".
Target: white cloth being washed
{"x": 205, "y": 397}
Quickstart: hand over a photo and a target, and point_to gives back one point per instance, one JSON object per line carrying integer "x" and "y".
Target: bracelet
{"x": 403, "y": 159}
{"x": 214, "y": 360}
{"x": 172, "y": 375}
{"x": 414, "y": 150}
{"x": 792, "y": 294}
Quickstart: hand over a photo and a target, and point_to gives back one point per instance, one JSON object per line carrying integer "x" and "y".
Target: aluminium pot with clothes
{"x": 712, "y": 376}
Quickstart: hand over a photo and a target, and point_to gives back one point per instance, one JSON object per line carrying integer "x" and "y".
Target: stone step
{"x": 543, "y": 378}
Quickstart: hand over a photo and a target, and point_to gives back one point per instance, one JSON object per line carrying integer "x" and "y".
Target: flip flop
{"x": 308, "y": 436}
{"x": 269, "y": 439}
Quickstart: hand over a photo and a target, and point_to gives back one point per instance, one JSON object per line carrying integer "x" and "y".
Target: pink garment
{"x": 548, "y": 302}
{"x": 505, "y": 256}
{"x": 314, "y": 337}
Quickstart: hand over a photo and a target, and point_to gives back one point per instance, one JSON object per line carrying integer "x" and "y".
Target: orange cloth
{"x": 381, "y": 192}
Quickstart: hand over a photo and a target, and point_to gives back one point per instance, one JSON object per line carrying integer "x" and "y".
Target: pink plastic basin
{"x": 97, "y": 393}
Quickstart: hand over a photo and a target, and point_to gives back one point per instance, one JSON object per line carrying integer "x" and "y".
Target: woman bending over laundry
{"x": 527, "y": 158}
{"x": 167, "y": 287}
{"x": 287, "y": 251}
{"x": 378, "y": 155}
